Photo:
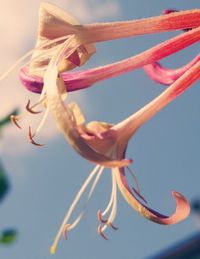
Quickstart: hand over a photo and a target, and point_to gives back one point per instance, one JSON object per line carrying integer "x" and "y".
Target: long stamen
{"x": 19, "y": 61}
{"x": 108, "y": 206}
{"x": 74, "y": 224}
{"x": 30, "y": 135}
{"x": 29, "y": 109}
{"x": 112, "y": 216}
{"x": 102, "y": 214}
{"x": 42, "y": 122}
{"x": 15, "y": 119}
{"x": 114, "y": 206}
{"x": 73, "y": 205}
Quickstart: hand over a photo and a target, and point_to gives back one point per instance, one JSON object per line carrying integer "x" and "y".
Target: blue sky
{"x": 45, "y": 180}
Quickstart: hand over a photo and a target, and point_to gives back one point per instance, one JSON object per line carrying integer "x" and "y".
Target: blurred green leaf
{"x": 6, "y": 120}
{"x": 8, "y": 236}
{"x": 4, "y": 183}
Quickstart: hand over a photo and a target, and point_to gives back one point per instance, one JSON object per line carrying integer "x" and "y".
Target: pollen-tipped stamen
{"x": 65, "y": 231}
{"x": 30, "y": 109}
{"x": 100, "y": 219}
{"x": 30, "y": 135}
{"x": 73, "y": 205}
{"x": 110, "y": 224}
{"x": 113, "y": 212}
{"x": 29, "y": 53}
{"x": 75, "y": 223}
{"x": 100, "y": 232}
{"x": 15, "y": 119}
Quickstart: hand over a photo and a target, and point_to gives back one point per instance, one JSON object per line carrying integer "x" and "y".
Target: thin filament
{"x": 44, "y": 118}
{"x": 19, "y": 61}
{"x": 74, "y": 224}
{"x": 110, "y": 202}
{"x": 73, "y": 205}
{"x": 114, "y": 204}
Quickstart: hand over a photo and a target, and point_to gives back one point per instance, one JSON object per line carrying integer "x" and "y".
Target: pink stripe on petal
{"x": 166, "y": 76}
{"x": 182, "y": 206}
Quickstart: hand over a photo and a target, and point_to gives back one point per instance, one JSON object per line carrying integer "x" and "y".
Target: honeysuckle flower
{"x": 58, "y": 31}
{"x": 63, "y": 44}
{"x": 111, "y": 141}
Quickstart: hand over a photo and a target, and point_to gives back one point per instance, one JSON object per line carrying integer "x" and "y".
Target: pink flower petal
{"x": 182, "y": 205}
{"x": 166, "y": 76}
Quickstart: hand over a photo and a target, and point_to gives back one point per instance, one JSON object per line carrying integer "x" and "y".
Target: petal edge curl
{"x": 182, "y": 205}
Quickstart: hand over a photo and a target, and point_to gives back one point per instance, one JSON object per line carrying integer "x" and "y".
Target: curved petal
{"x": 166, "y": 76}
{"x": 182, "y": 205}
{"x": 67, "y": 123}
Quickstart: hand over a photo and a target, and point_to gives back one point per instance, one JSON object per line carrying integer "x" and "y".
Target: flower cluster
{"x": 63, "y": 44}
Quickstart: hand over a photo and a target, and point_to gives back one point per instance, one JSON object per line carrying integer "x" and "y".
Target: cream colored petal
{"x": 79, "y": 116}
{"x": 66, "y": 122}
{"x": 56, "y": 23}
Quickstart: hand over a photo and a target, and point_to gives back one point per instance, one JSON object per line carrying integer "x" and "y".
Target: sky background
{"x": 45, "y": 180}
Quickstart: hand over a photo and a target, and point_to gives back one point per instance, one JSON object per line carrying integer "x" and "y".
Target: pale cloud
{"x": 18, "y": 26}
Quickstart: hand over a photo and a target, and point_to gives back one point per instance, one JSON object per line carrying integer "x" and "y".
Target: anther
{"x": 112, "y": 226}
{"x": 65, "y": 231}
{"x": 29, "y": 109}
{"x": 14, "y": 119}
{"x": 99, "y": 216}
{"x": 100, "y": 232}
{"x": 32, "y": 140}
{"x": 139, "y": 195}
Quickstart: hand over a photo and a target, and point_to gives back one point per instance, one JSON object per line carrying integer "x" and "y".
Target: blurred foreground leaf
{"x": 8, "y": 236}
{"x": 4, "y": 183}
{"x": 6, "y": 120}
{"x": 195, "y": 205}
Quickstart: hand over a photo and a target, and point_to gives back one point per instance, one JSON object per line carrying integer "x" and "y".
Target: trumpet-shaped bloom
{"x": 111, "y": 141}
{"x": 59, "y": 29}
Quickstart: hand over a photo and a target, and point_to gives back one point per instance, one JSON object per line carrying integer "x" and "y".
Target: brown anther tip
{"x": 14, "y": 119}
{"x": 112, "y": 226}
{"x": 32, "y": 140}
{"x": 65, "y": 231}
{"x": 29, "y": 109}
{"x": 99, "y": 216}
{"x": 100, "y": 232}
{"x": 139, "y": 195}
